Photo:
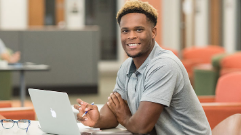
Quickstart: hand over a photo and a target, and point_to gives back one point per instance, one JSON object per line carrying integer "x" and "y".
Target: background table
{"x": 22, "y": 68}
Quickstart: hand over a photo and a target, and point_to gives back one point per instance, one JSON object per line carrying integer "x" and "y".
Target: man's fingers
{"x": 110, "y": 101}
{"x": 81, "y": 102}
{"x": 110, "y": 106}
{"x": 115, "y": 99}
{"x": 76, "y": 106}
{"x": 118, "y": 96}
{"x": 90, "y": 107}
{"x": 80, "y": 118}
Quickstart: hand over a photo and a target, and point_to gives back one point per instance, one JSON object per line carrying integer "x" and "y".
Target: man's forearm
{"x": 145, "y": 118}
{"x": 136, "y": 126}
{"x": 107, "y": 118}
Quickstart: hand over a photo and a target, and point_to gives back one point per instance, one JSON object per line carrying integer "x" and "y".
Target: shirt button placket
{"x": 131, "y": 92}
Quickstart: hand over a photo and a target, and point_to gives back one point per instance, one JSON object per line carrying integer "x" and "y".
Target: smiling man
{"x": 153, "y": 93}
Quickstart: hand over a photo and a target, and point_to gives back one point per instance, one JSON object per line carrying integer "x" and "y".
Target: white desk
{"x": 22, "y": 68}
{"x": 35, "y": 130}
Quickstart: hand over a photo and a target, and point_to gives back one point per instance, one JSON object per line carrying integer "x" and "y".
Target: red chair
{"x": 194, "y": 56}
{"x": 227, "y": 100}
{"x": 231, "y": 63}
{"x": 9, "y": 112}
{"x": 1, "y": 117}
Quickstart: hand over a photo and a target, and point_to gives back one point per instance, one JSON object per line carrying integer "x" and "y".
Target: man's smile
{"x": 133, "y": 45}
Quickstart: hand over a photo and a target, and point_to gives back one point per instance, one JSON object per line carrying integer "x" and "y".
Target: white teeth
{"x": 132, "y": 44}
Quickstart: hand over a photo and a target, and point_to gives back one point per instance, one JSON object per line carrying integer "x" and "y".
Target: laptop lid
{"x": 54, "y": 112}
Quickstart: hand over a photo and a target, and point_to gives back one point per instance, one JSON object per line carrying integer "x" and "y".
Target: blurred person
{"x": 5, "y": 54}
{"x": 153, "y": 93}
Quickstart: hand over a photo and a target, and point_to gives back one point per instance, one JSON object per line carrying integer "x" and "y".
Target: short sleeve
{"x": 160, "y": 82}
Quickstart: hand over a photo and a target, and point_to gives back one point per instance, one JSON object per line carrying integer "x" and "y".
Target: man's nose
{"x": 132, "y": 35}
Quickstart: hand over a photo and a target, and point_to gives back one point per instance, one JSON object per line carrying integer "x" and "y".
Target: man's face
{"x": 137, "y": 35}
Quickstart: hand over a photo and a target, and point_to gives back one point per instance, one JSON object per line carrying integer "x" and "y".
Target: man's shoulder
{"x": 162, "y": 62}
{"x": 164, "y": 57}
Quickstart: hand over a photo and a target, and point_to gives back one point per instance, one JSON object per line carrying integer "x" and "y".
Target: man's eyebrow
{"x": 136, "y": 27}
{"x": 124, "y": 28}
{"x": 139, "y": 27}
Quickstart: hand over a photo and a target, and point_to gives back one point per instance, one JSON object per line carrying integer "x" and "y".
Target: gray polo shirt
{"x": 162, "y": 79}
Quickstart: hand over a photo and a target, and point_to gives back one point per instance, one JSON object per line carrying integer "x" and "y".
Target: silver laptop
{"x": 54, "y": 112}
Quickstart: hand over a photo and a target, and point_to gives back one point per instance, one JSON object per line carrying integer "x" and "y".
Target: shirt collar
{"x": 132, "y": 67}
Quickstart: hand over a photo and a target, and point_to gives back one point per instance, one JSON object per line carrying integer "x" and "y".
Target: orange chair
{"x": 1, "y": 117}
{"x": 9, "y": 112}
{"x": 231, "y": 63}
{"x": 199, "y": 55}
{"x": 229, "y": 126}
{"x": 227, "y": 100}
{"x": 4, "y": 104}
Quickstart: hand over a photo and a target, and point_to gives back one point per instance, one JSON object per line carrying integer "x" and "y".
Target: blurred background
{"x": 80, "y": 39}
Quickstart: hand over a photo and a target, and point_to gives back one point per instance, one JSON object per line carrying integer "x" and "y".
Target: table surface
{"x": 34, "y": 129}
{"x": 25, "y": 67}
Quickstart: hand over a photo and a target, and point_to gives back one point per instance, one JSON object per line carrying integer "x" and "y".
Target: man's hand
{"x": 11, "y": 58}
{"x": 135, "y": 123}
{"x": 15, "y": 57}
{"x": 119, "y": 107}
{"x": 93, "y": 115}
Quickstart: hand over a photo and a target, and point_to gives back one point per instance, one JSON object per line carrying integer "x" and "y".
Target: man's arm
{"x": 107, "y": 118}
{"x": 143, "y": 121}
{"x": 103, "y": 119}
{"x": 10, "y": 58}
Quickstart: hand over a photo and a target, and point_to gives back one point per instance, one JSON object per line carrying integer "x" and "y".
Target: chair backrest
{"x": 17, "y": 113}
{"x": 230, "y": 63}
{"x": 2, "y": 117}
{"x": 228, "y": 88}
{"x": 229, "y": 126}
{"x": 202, "y": 54}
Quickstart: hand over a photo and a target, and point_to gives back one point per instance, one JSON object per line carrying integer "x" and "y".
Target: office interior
{"x": 80, "y": 41}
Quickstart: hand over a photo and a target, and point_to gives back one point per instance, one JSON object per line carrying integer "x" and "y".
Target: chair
{"x": 227, "y": 100}
{"x": 230, "y": 63}
{"x": 229, "y": 126}
{"x": 9, "y": 112}
{"x": 5, "y": 85}
{"x": 194, "y": 56}
{"x": 206, "y": 76}
{"x": 1, "y": 117}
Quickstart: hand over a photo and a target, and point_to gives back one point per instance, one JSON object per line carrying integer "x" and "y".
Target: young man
{"x": 152, "y": 90}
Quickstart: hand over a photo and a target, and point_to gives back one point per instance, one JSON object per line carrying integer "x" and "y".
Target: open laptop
{"x": 54, "y": 112}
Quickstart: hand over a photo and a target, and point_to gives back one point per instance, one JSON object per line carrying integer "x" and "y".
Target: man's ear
{"x": 154, "y": 32}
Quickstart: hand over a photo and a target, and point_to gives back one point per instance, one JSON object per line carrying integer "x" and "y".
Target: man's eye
{"x": 124, "y": 31}
{"x": 139, "y": 30}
